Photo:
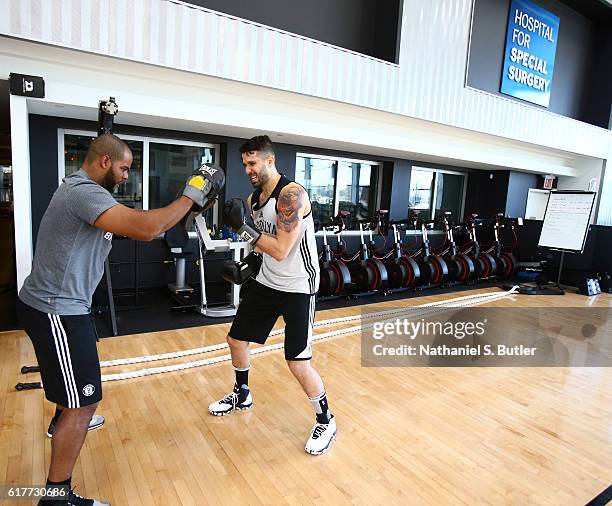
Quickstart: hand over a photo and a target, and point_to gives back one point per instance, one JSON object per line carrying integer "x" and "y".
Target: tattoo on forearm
{"x": 289, "y": 203}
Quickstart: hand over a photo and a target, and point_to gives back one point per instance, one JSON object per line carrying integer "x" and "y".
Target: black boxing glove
{"x": 239, "y": 272}
{"x": 205, "y": 185}
{"x": 235, "y": 215}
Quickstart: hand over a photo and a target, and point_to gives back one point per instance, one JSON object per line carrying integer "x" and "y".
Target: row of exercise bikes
{"x": 371, "y": 270}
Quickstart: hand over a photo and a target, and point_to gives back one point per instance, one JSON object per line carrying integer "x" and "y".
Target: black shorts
{"x": 259, "y": 309}
{"x": 67, "y": 355}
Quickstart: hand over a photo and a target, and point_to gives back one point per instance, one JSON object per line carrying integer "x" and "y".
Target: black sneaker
{"x": 73, "y": 500}
{"x": 95, "y": 423}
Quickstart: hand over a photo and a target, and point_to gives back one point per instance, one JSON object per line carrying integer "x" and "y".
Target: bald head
{"x": 108, "y": 161}
{"x": 107, "y": 144}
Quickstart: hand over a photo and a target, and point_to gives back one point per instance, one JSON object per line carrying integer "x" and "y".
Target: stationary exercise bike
{"x": 506, "y": 261}
{"x": 484, "y": 263}
{"x": 402, "y": 271}
{"x": 335, "y": 275}
{"x": 460, "y": 267}
{"x": 433, "y": 268}
{"x": 367, "y": 274}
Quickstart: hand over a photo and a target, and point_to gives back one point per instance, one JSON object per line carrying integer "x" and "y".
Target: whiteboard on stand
{"x": 566, "y": 220}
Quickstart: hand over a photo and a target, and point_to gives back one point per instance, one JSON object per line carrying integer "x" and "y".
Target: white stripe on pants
{"x": 63, "y": 356}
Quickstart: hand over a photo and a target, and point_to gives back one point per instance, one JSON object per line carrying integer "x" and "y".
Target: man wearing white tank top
{"x": 279, "y": 224}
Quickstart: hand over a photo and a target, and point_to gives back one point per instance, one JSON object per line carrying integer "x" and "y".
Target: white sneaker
{"x": 230, "y": 403}
{"x": 95, "y": 423}
{"x": 321, "y": 437}
{"x": 77, "y": 500}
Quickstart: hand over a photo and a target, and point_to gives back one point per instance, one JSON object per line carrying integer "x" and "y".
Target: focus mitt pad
{"x": 205, "y": 184}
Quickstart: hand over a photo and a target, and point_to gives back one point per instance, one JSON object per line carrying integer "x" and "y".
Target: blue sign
{"x": 531, "y": 44}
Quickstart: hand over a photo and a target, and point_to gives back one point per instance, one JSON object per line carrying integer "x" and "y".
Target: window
{"x": 449, "y": 194}
{"x": 6, "y": 183}
{"x": 318, "y": 176}
{"x": 128, "y": 193}
{"x": 335, "y": 185}
{"x": 158, "y": 173}
{"x": 169, "y": 167}
{"x": 434, "y": 192}
{"x": 420, "y": 196}
{"x": 354, "y": 195}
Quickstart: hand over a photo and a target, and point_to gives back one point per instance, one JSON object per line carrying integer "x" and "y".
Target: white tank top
{"x": 299, "y": 271}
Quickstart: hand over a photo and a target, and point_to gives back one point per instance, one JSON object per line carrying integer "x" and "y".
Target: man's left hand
{"x": 236, "y": 216}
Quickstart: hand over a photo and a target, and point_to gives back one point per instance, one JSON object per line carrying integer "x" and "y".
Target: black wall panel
{"x": 519, "y": 184}
{"x": 369, "y": 27}
{"x": 486, "y": 193}
{"x": 400, "y": 190}
{"x": 582, "y": 82}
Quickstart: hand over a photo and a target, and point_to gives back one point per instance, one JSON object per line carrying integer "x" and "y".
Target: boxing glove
{"x": 236, "y": 216}
{"x": 239, "y": 272}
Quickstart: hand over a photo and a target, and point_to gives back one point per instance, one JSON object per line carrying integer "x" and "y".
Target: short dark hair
{"x": 107, "y": 144}
{"x": 260, "y": 143}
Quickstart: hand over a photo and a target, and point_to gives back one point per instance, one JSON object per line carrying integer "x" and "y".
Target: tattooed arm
{"x": 292, "y": 205}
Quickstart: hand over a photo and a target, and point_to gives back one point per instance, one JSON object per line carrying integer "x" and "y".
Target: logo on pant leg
{"x": 88, "y": 390}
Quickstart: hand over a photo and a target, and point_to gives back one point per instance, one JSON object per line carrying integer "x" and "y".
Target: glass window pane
{"x": 169, "y": 167}
{"x": 354, "y": 189}
{"x": 366, "y": 192}
{"x": 6, "y": 183}
{"x": 449, "y": 195}
{"x": 128, "y": 193}
{"x": 75, "y": 149}
{"x": 364, "y": 174}
{"x": 345, "y": 187}
{"x": 421, "y": 192}
{"x": 317, "y": 176}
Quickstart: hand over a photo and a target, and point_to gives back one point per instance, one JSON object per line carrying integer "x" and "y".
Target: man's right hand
{"x": 205, "y": 184}
{"x": 235, "y": 216}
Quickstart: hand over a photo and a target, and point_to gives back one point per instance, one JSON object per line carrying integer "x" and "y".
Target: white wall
{"x": 428, "y": 83}
{"x": 20, "y": 154}
{"x": 583, "y": 179}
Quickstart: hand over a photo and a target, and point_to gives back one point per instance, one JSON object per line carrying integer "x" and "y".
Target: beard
{"x": 109, "y": 182}
{"x": 262, "y": 179}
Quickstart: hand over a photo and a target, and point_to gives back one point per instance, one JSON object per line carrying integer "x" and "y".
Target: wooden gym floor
{"x": 405, "y": 435}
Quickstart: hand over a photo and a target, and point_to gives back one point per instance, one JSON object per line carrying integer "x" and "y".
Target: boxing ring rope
{"x": 412, "y": 311}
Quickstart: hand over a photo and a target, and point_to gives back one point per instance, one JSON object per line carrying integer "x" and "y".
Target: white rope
{"x": 425, "y": 309}
{"x": 320, "y": 323}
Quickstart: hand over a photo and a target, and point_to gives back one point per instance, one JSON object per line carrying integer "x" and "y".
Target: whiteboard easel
{"x": 566, "y": 222}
